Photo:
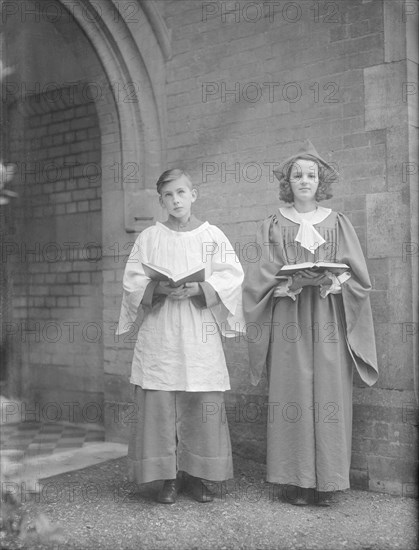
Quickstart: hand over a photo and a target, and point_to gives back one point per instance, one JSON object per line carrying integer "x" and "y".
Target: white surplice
{"x": 179, "y": 344}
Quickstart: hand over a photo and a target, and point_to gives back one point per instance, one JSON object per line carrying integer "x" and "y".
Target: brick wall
{"x": 57, "y": 277}
{"x": 247, "y": 81}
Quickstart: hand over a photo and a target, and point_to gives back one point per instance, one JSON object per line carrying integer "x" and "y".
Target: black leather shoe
{"x": 194, "y": 487}
{"x": 297, "y": 496}
{"x": 168, "y": 492}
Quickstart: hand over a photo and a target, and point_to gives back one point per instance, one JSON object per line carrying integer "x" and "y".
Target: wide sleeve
{"x": 134, "y": 284}
{"x": 356, "y": 302}
{"x": 226, "y": 278}
{"x": 258, "y": 296}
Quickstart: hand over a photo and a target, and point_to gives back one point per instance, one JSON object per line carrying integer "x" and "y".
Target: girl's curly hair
{"x": 327, "y": 176}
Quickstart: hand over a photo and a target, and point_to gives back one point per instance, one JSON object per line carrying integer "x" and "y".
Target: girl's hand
{"x": 186, "y": 291}
{"x": 308, "y": 278}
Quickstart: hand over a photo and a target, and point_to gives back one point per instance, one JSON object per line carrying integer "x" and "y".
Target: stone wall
{"x": 227, "y": 89}
{"x": 247, "y": 81}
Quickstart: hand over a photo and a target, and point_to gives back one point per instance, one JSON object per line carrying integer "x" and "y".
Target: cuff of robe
{"x": 148, "y": 297}
{"x": 283, "y": 289}
{"x": 343, "y": 277}
{"x": 336, "y": 286}
{"x": 209, "y": 298}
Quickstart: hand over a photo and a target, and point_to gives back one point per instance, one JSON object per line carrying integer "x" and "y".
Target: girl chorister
{"x": 315, "y": 327}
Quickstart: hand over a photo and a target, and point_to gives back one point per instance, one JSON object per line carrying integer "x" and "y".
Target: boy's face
{"x": 304, "y": 179}
{"x": 177, "y": 197}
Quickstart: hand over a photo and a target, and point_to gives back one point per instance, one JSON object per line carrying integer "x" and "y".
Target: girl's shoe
{"x": 168, "y": 492}
{"x": 297, "y": 496}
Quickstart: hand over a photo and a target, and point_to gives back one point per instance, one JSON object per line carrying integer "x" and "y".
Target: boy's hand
{"x": 164, "y": 288}
{"x": 186, "y": 291}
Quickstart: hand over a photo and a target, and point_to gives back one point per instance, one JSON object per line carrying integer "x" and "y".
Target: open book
{"x": 333, "y": 267}
{"x": 157, "y": 273}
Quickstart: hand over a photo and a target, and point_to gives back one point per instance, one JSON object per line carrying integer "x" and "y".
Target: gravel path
{"x": 97, "y": 508}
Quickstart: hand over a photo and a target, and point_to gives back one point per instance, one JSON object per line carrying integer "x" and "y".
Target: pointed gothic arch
{"x": 133, "y": 48}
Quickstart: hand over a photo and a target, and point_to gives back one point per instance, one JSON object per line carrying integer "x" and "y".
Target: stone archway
{"x": 134, "y": 67}
{"x": 133, "y": 48}
{"x": 127, "y": 88}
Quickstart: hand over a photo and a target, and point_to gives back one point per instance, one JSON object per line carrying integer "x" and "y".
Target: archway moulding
{"x": 141, "y": 109}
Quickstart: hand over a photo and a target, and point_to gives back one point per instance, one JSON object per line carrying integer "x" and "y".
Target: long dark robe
{"x": 310, "y": 347}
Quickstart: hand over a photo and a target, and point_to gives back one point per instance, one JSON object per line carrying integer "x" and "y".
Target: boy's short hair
{"x": 171, "y": 175}
{"x": 326, "y": 178}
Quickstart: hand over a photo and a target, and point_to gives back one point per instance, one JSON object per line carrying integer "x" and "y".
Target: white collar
{"x": 319, "y": 215}
{"x": 307, "y": 235}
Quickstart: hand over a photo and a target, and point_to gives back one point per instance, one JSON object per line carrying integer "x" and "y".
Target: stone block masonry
{"x": 240, "y": 84}
{"x": 247, "y": 81}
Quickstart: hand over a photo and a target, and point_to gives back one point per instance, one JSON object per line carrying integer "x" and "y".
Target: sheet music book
{"x": 158, "y": 273}
{"x": 333, "y": 267}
